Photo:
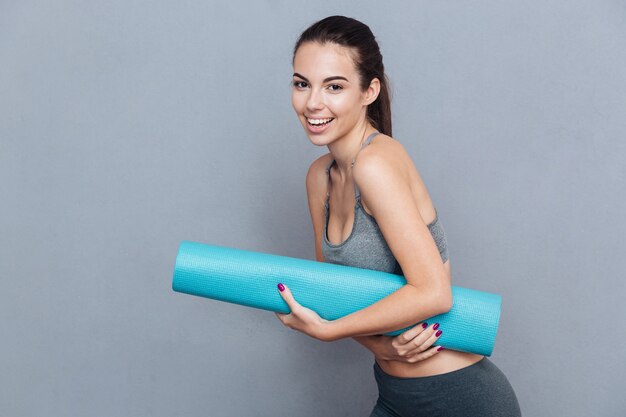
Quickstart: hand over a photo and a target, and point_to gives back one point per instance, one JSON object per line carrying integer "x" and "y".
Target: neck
{"x": 343, "y": 150}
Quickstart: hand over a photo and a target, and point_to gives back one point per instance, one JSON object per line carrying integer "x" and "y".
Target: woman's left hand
{"x": 303, "y": 319}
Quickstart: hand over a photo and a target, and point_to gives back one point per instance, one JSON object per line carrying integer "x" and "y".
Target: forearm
{"x": 375, "y": 344}
{"x": 404, "y": 307}
{"x": 370, "y": 342}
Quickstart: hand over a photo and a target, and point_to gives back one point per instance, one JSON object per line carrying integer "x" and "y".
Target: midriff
{"x": 443, "y": 362}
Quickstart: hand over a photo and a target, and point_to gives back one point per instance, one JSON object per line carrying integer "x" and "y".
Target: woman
{"x": 370, "y": 209}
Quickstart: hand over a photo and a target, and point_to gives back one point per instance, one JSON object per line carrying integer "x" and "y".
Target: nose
{"x": 314, "y": 101}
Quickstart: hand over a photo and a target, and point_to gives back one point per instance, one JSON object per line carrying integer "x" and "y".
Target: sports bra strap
{"x": 328, "y": 180}
{"x": 357, "y": 192}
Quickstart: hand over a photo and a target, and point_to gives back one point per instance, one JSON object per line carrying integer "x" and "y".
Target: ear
{"x": 371, "y": 94}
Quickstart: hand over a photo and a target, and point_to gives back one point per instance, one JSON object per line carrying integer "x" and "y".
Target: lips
{"x": 319, "y": 121}
{"x": 319, "y": 125}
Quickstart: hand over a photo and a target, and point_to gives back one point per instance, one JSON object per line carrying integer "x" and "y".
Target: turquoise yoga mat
{"x": 250, "y": 278}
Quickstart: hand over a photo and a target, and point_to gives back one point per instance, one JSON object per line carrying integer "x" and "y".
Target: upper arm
{"x": 316, "y": 184}
{"x": 387, "y": 190}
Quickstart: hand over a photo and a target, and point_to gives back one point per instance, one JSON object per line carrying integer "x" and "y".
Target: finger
{"x": 420, "y": 356}
{"x": 285, "y": 319}
{"x": 432, "y": 338}
{"x": 419, "y": 340}
{"x": 410, "y": 334}
{"x": 287, "y": 296}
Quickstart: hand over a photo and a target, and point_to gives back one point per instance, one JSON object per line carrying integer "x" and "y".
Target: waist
{"x": 443, "y": 362}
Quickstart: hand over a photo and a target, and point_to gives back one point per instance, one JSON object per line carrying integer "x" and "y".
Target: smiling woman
{"x": 316, "y": 124}
{"x": 340, "y": 94}
{"x": 333, "y": 100}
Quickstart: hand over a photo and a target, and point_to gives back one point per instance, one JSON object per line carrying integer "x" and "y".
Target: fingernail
{"x": 436, "y": 326}
{"x": 281, "y": 287}
{"x": 438, "y": 333}
{"x": 440, "y": 348}
{"x": 424, "y": 325}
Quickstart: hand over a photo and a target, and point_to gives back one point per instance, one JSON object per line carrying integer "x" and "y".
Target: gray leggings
{"x": 478, "y": 390}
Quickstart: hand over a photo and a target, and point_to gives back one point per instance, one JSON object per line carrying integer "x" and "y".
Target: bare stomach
{"x": 443, "y": 362}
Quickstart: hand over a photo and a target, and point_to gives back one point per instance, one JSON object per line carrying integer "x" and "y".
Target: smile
{"x": 319, "y": 122}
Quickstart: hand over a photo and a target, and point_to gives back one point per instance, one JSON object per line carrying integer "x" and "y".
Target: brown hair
{"x": 368, "y": 60}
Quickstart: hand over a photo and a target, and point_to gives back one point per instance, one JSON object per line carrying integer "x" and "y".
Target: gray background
{"x": 128, "y": 126}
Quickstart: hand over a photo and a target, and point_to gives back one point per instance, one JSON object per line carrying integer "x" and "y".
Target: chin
{"x": 315, "y": 140}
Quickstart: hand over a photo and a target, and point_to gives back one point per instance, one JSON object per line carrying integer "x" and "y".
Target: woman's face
{"x": 326, "y": 92}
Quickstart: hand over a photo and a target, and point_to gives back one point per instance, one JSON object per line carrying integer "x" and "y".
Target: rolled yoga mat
{"x": 250, "y": 278}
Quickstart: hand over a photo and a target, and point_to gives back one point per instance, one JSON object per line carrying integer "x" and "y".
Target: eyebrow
{"x": 336, "y": 77}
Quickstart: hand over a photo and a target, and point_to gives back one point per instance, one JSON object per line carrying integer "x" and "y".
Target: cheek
{"x": 342, "y": 104}
{"x": 294, "y": 101}
{"x": 298, "y": 101}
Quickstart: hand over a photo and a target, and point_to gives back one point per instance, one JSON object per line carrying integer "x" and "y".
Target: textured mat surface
{"x": 250, "y": 278}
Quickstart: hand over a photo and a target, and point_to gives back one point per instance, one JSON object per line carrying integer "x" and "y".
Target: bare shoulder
{"x": 316, "y": 178}
{"x": 381, "y": 150}
{"x": 382, "y": 161}
{"x": 383, "y": 157}
{"x": 386, "y": 163}
{"x": 383, "y": 175}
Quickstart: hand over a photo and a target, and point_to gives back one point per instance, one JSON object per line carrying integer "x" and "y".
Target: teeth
{"x": 319, "y": 121}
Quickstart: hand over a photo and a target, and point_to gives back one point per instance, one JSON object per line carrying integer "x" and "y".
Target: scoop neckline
{"x": 357, "y": 205}
{"x": 354, "y": 223}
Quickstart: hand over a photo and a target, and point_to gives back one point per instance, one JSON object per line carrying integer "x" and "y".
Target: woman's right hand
{"x": 414, "y": 345}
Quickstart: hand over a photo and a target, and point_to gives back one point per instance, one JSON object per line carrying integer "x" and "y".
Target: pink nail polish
{"x": 440, "y": 348}
{"x": 424, "y": 325}
{"x": 436, "y": 326}
{"x": 438, "y": 333}
{"x": 281, "y": 287}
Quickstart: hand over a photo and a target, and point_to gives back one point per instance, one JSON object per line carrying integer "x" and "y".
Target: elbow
{"x": 444, "y": 298}
{"x": 438, "y": 301}
{"x": 444, "y": 301}
{"x": 441, "y": 300}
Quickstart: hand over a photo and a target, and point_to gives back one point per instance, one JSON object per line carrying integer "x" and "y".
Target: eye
{"x": 299, "y": 84}
{"x": 335, "y": 89}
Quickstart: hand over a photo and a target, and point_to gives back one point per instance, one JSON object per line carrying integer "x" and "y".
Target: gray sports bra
{"x": 366, "y": 247}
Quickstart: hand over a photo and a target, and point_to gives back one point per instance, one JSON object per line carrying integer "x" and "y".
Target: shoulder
{"x": 384, "y": 176}
{"x": 382, "y": 161}
{"x": 316, "y": 177}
